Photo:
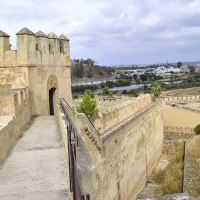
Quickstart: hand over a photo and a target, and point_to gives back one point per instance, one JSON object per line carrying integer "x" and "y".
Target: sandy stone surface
{"x": 173, "y": 116}
{"x": 178, "y": 196}
{"x": 181, "y": 92}
{"x": 193, "y": 105}
{"x": 36, "y": 167}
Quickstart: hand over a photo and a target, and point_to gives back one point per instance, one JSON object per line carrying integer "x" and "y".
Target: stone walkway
{"x": 173, "y": 116}
{"x": 36, "y": 168}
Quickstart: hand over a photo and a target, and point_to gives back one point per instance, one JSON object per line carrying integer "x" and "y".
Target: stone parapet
{"x": 180, "y": 99}
{"x": 14, "y": 115}
{"x": 196, "y": 110}
{"x": 114, "y": 112}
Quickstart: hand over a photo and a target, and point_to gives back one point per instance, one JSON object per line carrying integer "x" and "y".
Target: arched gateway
{"x": 52, "y": 92}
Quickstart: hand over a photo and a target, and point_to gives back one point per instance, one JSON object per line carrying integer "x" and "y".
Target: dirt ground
{"x": 193, "y": 105}
{"x": 168, "y": 174}
{"x": 173, "y": 116}
{"x": 181, "y": 92}
{"x": 192, "y": 167}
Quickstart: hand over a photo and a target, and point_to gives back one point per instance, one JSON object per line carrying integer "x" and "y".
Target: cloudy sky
{"x": 113, "y": 31}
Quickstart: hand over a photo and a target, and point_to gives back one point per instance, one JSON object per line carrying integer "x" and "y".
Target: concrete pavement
{"x": 37, "y": 166}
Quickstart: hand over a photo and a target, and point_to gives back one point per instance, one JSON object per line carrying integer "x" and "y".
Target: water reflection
{"x": 121, "y": 88}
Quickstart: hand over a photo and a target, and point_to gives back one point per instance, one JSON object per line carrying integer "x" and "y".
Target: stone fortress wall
{"x": 193, "y": 98}
{"x": 14, "y": 115}
{"x": 123, "y": 159}
{"x": 112, "y": 113}
{"x": 42, "y": 62}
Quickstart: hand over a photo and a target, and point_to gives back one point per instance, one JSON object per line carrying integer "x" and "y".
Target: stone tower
{"x": 4, "y": 46}
{"x": 42, "y": 62}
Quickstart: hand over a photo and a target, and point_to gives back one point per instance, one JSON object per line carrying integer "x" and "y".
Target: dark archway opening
{"x": 51, "y": 100}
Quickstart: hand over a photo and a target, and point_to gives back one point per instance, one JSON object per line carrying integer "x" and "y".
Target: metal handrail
{"x": 75, "y": 185}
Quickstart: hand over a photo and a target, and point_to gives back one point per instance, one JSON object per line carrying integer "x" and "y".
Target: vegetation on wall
{"x": 156, "y": 89}
{"x": 88, "y": 105}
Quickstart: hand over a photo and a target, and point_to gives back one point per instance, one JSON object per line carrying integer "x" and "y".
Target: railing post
{"x": 77, "y": 140}
{"x": 74, "y": 145}
{"x": 69, "y": 133}
{"x": 87, "y": 196}
{"x": 73, "y": 172}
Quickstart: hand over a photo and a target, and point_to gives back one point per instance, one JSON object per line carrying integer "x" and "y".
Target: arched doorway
{"x": 52, "y": 94}
{"x": 51, "y": 100}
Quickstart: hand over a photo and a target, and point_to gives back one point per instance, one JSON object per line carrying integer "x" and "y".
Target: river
{"x": 120, "y": 88}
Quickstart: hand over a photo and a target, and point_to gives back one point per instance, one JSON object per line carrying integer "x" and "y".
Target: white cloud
{"x": 112, "y": 32}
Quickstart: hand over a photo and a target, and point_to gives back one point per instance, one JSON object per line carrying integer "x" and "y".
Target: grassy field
{"x": 169, "y": 180}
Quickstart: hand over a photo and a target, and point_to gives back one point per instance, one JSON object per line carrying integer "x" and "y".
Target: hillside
{"x": 86, "y": 70}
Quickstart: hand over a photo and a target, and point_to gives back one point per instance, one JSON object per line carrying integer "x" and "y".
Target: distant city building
{"x": 162, "y": 70}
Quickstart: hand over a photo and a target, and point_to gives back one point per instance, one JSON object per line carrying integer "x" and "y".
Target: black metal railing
{"x": 75, "y": 186}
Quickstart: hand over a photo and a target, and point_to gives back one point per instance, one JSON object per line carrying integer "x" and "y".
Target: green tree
{"x": 143, "y": 77}
{"x": 88, "y": 105}
{"x": 106, "y": 90}
{"x": 138, "y": 81}
{"x": 78, "y": 70}
{"x": 156, "y": 89}
{"x": 179, "y": 64}
{"x": 135, "y": 76}
{"x": 192, "y": 68}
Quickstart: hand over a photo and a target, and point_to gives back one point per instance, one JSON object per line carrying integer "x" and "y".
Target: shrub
{"x": 115, "y": 92}
{"x": 131, "y": 95}
{"x": 75, "y": 97}
{"x": 133, "y": 91}
{"x": 124, "y": 92}
{"x": 88, "y": 105}
{"x": 197, "y": 129}
{"x": 79, "y": 88}
{"x": 106, "y": 90}
{"x": 123, "y": 82}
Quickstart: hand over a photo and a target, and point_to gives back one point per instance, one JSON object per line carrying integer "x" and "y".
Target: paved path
{"x": 36, "y": 168}
{"x": 173, "y": 116}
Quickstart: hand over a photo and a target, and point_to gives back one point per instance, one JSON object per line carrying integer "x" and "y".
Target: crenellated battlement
{"x": 175, "y": 99}
{"x": 109, "y": 105}
{"x": 34, "y": 49}
{"x": 114, "y": 112}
